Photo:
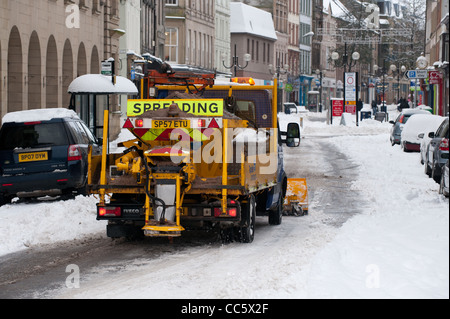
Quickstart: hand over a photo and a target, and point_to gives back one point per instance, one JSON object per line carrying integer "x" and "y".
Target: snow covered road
{"x": 377, "y": 228}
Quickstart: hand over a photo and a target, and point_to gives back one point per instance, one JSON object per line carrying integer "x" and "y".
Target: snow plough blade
{"x": 296, "y": 202}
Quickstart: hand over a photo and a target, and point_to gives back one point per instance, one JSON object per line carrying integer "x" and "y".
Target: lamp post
{"x": 398, "y": 69}
{"x": 421, "y": 64}
{"x": 319, "y": 73}
{"x": 235, "y": 64}
{"x": 376, "y": 68}
{"x": 276, "y": 71}
{"x": 347, "y": 62}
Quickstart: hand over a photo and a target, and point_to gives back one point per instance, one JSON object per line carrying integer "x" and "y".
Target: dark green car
{"x": 43, "y": 155}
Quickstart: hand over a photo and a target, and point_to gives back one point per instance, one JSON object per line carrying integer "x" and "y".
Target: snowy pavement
{"x": 396, "y": 247}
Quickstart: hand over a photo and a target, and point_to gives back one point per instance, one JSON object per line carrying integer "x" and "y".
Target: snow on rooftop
{"x": 38, "y": 115}
{"x": 336, "y": 9}
{"x": 101, "y": 84}
{"x": 251, "y": 20}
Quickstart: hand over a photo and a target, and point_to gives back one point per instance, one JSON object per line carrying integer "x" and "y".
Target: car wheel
{"x": 434, "y": 174}
{"x": 427, "y": 168}
{"x": 446, "y": 194}
{"x": 4, "y": 200}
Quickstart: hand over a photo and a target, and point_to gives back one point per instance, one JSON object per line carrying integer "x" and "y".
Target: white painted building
{"x": 223, "y": 36}
{"x": 253, "y": 32}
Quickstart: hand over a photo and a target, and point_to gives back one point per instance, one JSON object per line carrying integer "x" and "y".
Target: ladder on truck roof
{"x": 157, "y": 72}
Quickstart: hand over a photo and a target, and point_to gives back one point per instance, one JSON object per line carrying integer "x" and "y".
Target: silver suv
{"x": 438, "y": 151}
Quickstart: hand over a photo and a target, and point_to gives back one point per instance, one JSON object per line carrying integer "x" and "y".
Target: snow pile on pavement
{"x": 399, "y": 247}
{"x": 48, "y": 222}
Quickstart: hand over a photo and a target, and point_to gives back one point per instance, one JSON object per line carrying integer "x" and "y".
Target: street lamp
{"x": 399, "y": 70}
{"x": 345, "y": 62}
{"x": 421, "y": 64}
{"x": 278, "y": 70}
{"x": 235, "y": 64}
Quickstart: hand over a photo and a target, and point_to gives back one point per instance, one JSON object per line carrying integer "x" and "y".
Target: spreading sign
{"x": 203, "y": 107}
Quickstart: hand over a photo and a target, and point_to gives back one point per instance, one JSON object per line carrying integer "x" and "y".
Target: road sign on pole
{"x": 350, "y": 92}
{"x": 417, "y": 74}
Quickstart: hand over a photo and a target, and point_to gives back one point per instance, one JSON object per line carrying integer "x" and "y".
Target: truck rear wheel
{"x": 275, "y": 216}
{"x": 247, "y": 231}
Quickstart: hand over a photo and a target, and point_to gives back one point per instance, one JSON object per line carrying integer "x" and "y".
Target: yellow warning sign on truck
{"x": 203, "y": 107}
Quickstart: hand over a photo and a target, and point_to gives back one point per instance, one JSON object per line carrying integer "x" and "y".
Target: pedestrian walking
{"x": 374, "y": 108}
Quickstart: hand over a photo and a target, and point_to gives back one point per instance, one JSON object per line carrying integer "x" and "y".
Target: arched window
{"x": 34, "y": 73}
{"x": 15, "y": 71}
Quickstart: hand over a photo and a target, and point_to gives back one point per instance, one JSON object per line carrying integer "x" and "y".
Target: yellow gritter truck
{"x": 204, "y": 156}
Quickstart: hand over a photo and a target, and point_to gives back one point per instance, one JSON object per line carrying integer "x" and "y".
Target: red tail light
{"x": 231, "y": 212}
{"x": 74, "y": 153}
{"x": 443, "y": 146}
{"x": 109, "y": 212}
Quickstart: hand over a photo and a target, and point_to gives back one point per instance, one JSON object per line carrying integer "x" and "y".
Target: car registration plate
{"x": 33, "y": 157}
{"x": 171, "y": 124}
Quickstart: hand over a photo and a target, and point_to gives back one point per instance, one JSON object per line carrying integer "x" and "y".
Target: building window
{"x": 172, "y": 2}
{"x": 171, "y": 48}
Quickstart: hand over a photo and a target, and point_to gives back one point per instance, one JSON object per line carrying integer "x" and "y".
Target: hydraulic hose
{"x": 154, "y": 198}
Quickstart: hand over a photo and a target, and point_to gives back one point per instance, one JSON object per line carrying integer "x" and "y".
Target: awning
{"x": 101, "y": 84}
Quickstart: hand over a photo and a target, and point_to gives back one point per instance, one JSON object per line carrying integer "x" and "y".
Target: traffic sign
{"x": 350, "y": 86}
{"x": 106, "y": 68}
{"x": 417, "y": 74}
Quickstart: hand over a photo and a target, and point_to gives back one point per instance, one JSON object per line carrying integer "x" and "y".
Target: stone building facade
{"x": 46, "y": 44}
{"x": 190, "y": 31}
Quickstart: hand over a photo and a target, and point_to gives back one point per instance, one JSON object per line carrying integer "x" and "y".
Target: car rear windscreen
{"x": 33, "y": 136}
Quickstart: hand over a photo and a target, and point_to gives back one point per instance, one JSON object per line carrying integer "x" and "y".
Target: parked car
{"x": 415, "y": 129}
{"x": 43, "y": 152}
{"x": 444, "y": 187}
{"x": 290, "y": 108}
{"x": 437, "y": 153}
{"x": 425, "y": 138}
{"x": 400, "y": 121}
